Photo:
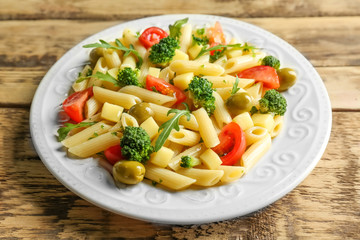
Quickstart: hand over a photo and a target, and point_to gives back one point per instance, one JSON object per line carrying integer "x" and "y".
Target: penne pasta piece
{"x": 185, "y": 38}
{"x": 95, "y": 145}
{"x": 263, "y": 120}
{"x": 255, "y": 134}
{"x": 161, "y": 116}
{"x": 198, "y": 68}
{"x": 166, "y": 74}
{"x": 128, "y": 62}
{"x": 193, "y": 151}
{"x": 244, "y": 120}
{"x": 83, "y": 84}
{"x": 229, "y": 81}
{"x": 179, "y": 55}
{"x": 99, "y": 67}
{"x": 184, "y": 137}
{"x": 110, "y": 85}
{"x": 148, "y": 96}
{"x": 122, "y": 99}
{"x": 92, "y": 106}
{"x": 278, "y": 125}
{"x": 128, "y": 120}
{"x": 221, "y": 113}
{"x": 194, "y": 51}
{"x": 252, "y": 155}
{"x": 182, "y": 81}
{"x": 204, "y": 177}
{"x": 255, "y": 91}
{"x": 112, "y": 58}
{"x": 206, "y": 128}
{"x": 167, "y": 177}
{"x": 177, "y": 148}
{"x": 210, "y": 159}
{"x": 238, "y": 64}
{"x": 231, "y": 173}
{"x": 80, "y": 137}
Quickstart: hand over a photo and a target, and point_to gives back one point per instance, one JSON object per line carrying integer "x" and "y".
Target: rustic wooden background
{"x": 35, "y": 34}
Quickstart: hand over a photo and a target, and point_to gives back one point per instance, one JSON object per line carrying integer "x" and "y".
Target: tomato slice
{"x": 232, "y": 144}
{"x": 216, "y": 34}
{"x": 265, "y": 74}
{"x": 151, "y": 36}
{"x": 113, "y": 154}
{"x": 163, "y": 87}
{"x": 74, "y": 104}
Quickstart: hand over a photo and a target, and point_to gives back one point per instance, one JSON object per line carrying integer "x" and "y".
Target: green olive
{"x": 128, "y": 172}
{"x": 238, "y": 103}
{"x": 95, "y": 54}
{"x": 141, "y": 112}
{"x": 287, "y": 77}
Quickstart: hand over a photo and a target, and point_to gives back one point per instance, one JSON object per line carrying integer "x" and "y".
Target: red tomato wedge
{"x": 113, "y": 154}
{"x": 152, "y": 36}
{"x": 232, "y": 144}
{"x": 74, "y": 104}
{"x": 216, "y": 34}
{"x": 265, "y": 74}
{"x": 163, "y": 87}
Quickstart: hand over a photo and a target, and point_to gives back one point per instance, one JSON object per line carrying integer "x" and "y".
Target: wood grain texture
{"x": 111, "y": 10}
{"x": 34, "y": 34}
{"x": 34, "y": 204}
{"x": 326, "y": 41}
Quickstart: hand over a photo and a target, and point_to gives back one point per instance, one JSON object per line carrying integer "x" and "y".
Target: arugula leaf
{"x": 63, "y": 131}
{"x": 235, "y": 88}
{"x": 244, "y": 47}
{"x": 175, "y": 29}
{"x": 120, "y": 46}
{"x": 171, "y": 124}
{"x": 102, "y": 76}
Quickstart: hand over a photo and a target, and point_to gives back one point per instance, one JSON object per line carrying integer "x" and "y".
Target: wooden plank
{"x": 121, "y": 10}
{"x": 34, "y": 204}
{"x": 324, "y": 41}
{"x": 18, "y": 85}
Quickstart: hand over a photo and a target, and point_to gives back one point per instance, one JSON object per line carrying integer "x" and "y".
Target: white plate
{"x": 293, "y": 155}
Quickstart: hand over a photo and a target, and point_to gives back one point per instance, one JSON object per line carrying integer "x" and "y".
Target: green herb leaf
{"x": 175, "y": 29}
{"x": 171, "y": 124}
{"x": 235, "y": 86}
{"x": 200, "y": 41}
{"x": 63, "y": 131}
{"x": 200, "y": 31}
{"x": 120, "y": 46}
{"x": 245, "y": 47}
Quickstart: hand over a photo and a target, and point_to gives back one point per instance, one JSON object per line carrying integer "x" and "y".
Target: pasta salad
{"x": 181, "y": 106}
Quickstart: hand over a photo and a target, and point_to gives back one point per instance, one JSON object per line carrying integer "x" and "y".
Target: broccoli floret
{"x": 189, "y": 162}
{"x": 202, "y": 94}
{"x": 128, "y": 76}
{"x": 272, "y": 102}
{"x": 271, "y": 61}
{"x": 162, "y": 52}
{"x": 136, "y": 144}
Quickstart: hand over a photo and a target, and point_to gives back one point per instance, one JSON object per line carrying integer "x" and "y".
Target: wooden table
{"x": 35, "y": 34}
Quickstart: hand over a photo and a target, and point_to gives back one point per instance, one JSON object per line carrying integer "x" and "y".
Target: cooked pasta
{"x": 168, "y": 111}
